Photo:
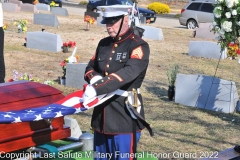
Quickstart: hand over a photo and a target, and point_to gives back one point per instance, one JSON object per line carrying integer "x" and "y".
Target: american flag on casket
{"x": 67, "y": 106}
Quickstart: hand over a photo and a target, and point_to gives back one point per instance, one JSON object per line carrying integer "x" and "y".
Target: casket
{"x": 19, "y": 95}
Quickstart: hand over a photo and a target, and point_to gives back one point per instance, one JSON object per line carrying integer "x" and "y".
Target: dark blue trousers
{"x": 114, "y": 147}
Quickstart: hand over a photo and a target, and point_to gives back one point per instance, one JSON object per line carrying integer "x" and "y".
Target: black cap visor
{"x": 111, "y": 20}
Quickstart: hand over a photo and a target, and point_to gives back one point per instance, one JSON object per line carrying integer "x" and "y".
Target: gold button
{"x": 120, "y": 60}
{"x": 119, "y": 38}
{"x": 108, "y": 66}
{"x": 113, "y": 51}
{"x": 96, "y": 84}
{"x": 108, "y": 77}
{"x": 115, "y": 45}
{"x": 102, "y": 80}
{"x": 132, "y": 36}
{"x": 106, "y": 73}
{"x": 110, "y": 58}
{"x": 99, "y": 59}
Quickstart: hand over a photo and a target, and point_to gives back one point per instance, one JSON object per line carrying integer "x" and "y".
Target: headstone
{"x": 206, "y": 49}
{"x": 152, "y": 33}
{"x": 59, "y": 11}
{"x": 206, "y": 92}
{"x": 42, "y": 7}
{"x": 44, "y": 41}
{"x": 99, "y": 19}
{"x": 45, "y": 19}
{"x": 19, "y": 3}
{"x": 204, "y": 31}
{"x": 25, "y": 7}
{"x": 73, "y": 125}
{"x": 92, "y": 14}
{"x": 10, "y": 7}
{"x": 75, "y": 75}
{"x": 142, "y": 20}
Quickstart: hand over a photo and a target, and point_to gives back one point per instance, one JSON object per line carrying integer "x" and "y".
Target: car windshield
{"x": 125, "y": 2}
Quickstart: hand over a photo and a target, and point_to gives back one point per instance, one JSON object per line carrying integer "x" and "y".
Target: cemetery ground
{"x": 177, "y": 128}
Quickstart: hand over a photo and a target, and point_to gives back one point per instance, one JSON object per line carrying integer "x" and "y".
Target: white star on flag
{"x": 38, "y": 117}
{"x": 17, "y": 120}
{"x": 59, "y": 114}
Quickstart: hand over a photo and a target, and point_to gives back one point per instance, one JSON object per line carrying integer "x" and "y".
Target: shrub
{"x": 158, "y": 7}
{"x": 83, "y": 3}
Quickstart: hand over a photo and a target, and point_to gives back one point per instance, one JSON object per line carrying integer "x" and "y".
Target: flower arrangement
{"x": 233, "y": 49}
{"x": 172, "y": 75}
{"x": 226, "y": 23}
{"x": 89, "y": 19}
{"x": 35, "y": 2}
{"x": 63, "y": 64}
{"x": 53, "y": 4}
{"x": 67, "y": 45}
{"x": 5, "y": 26}
{"x": 22, "y": 25}
{"x": 19, "y": 76}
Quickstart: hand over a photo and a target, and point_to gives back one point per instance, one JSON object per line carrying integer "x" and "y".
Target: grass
{"x": 177, "y": 128}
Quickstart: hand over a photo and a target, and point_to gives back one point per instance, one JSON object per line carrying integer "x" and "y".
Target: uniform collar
{"x": 123, "y": 36}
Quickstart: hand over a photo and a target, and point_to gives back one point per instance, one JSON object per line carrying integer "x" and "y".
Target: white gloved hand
{"x": 89, "y": 94}
{"x": 95, "y": 79}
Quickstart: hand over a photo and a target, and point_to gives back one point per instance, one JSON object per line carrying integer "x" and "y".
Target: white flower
{"x": 221, "y": 32}
{"x": 228, "y": 14}
{"x": 234, "y": 12}
{"x": 214, "y": 23}
{"x": 217, "y": 15}
{"x": 216, "y": 28}
{"x": 229, "y": 3}
{"x": 219, "y": 7}
{"x": 219, "y": 1}
{"x": 235, "y": 2}
{"x": 227, "y": 26}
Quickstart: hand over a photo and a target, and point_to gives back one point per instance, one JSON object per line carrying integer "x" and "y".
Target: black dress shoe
{"x": 237, "y": 148}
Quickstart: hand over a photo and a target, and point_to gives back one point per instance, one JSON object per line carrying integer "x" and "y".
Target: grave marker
{"x": 45, "y": 19}
{"x": 59, "y": 11}
{"x": 43, "y": 7}
{"x": 44, "y": 41}
{"x": 75, "y": 75}
{"x": 26, "y": 7}
{"x": 206, "y": 92}
{"x": 204, "y": 31}
{"x": 206, "y": 49}
{"x": 10, "y": 7}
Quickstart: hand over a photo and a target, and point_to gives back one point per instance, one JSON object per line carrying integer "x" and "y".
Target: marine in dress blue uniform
{"x": 120, "y": 62}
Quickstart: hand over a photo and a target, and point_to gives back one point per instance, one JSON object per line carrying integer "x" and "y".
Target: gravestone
{"x": 42, "y": 7}
{"x": 204, "y": 31}
{"x": 75, "y": 75}
{"x": 99, "y": 19}
{"x": 44, "y": 41}
{"x": 59, "y": 11}
{"x": 152, "y": 33}
{"x": 206, "y": 49}
{"x": 92, "y": 14}
{"x": 45, "y": 19}
{"x": 73, "y": 125}
{"x": 25, "y": 7}
{"x": 10, "y": 7}
{"x": 206, "y": 92}
{"x": 19, "y": 3}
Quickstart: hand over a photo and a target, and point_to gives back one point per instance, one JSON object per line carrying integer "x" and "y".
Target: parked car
{"x": 58, "y": 2}
{"x": 196, "y": 12}
{"x": 93, "y": 4}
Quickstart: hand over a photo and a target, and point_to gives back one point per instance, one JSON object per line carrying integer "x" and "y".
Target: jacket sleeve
{"x": 90, "y": 71}
{"x": 134, "y": 67}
